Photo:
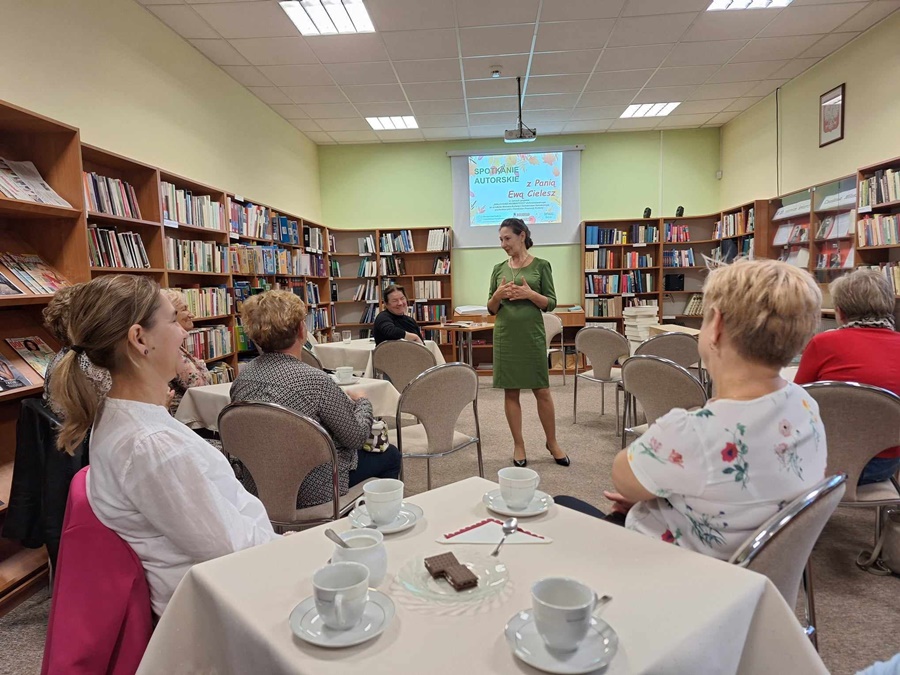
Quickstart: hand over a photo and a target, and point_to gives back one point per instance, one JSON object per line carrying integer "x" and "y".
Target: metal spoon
{"x": 510, "y": 525}
{"x": 331, "y": 534}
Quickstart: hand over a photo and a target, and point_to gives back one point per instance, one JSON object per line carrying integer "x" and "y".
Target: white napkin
{"x": 490, "y": 531}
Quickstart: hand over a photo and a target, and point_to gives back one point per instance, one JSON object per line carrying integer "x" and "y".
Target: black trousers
{"x": 589, "y": 509}
{"x": 376, "y": 465}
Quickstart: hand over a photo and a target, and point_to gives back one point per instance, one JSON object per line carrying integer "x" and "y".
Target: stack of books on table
{"x": 637, "y": 323}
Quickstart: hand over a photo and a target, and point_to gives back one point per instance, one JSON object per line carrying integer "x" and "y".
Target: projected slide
{"x": 527, "y": 186}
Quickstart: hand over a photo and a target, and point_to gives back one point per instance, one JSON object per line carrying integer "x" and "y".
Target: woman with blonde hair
{"x": 170, "y": 495}
{"x": 192, "y": 372}
{"x": 706, "y": 479}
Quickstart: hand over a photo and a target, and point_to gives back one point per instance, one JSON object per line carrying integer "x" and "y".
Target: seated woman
{"x": 192, "y": 371}
{"x": 276, "y": 322}
{"x": 706, "y": 479}
{"x": 393, "y": 323}
{"x": 865, "y": 349}
{"x": 159, "y": 486}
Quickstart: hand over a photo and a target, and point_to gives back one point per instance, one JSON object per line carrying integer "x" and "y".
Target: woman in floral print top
{"x": 192, "y": 371}
{"x": 707, "y": 479}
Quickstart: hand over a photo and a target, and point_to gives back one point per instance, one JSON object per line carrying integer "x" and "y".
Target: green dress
{"x": 520, "y": 343}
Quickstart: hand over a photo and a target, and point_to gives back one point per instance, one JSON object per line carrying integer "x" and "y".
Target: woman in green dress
{"x": 521, "y": 289}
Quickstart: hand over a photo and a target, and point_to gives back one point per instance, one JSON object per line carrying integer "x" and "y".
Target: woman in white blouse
{"x": 163, "y": 489}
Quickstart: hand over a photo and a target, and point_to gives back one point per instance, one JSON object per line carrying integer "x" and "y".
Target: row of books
{"x": 366, "y": 245}
{"x": 674, "y": 233}
{"x": 731, "y": 225}
{"x": 196, "y": 256}
{"x": 367, "y": 268}
{"x": 317, "y": 319}
{"x": 428, "y": 290}
{"x": 35, "y": 352}
{"x": 725, "y": 252}
{"x": 837, "y": 256}
{"x": 598, "y": 259}
{"x": 441, "y": 337}
{"x": 207, "y": 301}
{"x": 643, "y": 234}
{"x": 834, "y": 227}
{"x": 638, "y": 282}
{"x": 442, "y": 265}
{"x": 312, "y": 293}
{"x": 314, "y": 239}
{"x": 35, "y": 274}
{"x": 791, "y": 233}
{"x": 694, "y": 306}
{"x": 891, "y": 272}
{"x": 430, "y": 313}
{"x": 110, "y": 195}
{"x": 400, "y": 242}
{"x": 878, "y": 230}
{"x": 880, "y": 188}
{"x": 635, "y": 259}
{"x": 369, "y": 314}
{"x": 603, "y": 307}
{"x": 208, "y": 342}
{"x": 392, "y": 266}
{"x": 250, "y": 220}
{"x": 594, "y": 235}
{"x": 627, "y": 282}
{"x": 438, "y": 240}
{"x": 286, "y": 231}
{"x": 183, "y": 206}
{"x": 22, "y": 180}
{"x": 798, "y": 256}
{"x": 367, "y": 292}
{"x": 108, "y": 248}
{"x": 221, "y": 373}
{"x": 679, "y": 258}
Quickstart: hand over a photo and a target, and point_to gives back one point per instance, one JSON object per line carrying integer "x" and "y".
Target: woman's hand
{"x": 412, "y": 337}
{"x": 620, "y": 504}
{"x": 522, "y": 292}
{"x": 502, "y": 292}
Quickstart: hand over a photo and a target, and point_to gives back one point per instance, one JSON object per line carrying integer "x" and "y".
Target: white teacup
{"x": 341, "y": 591}
{"x": 344, "y": 373}
{"x": 366, "y": 547}
{"x": 562, "y": 611}
{"x": 383, "y": 498}
{"x": 517, "y": 486}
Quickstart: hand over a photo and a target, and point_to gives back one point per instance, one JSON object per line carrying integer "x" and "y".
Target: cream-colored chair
{"x": 602, "y": 348}
{"x": 436, "y": 398}
{"x": 401, "y": 361}
{"x": 310, "y": 359}
{"x": 280, "y": 447}
{"x": 553, "y": 326}
{"x": 781, "y": 547}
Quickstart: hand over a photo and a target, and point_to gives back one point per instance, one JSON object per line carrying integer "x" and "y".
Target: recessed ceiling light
{"x": 650, "y": 109}
{"x": 718, "y": 5}
{"x": 392, "y": 123}
{"x": 328, "y": 17}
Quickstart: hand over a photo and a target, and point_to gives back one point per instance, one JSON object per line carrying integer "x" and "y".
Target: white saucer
{"x": 353, "y": 380}
{"x": 307, "y": 625}
{"x": 409, "y": 515}
{"x": 539, "y": 504}
{"x": 597, "y": 650}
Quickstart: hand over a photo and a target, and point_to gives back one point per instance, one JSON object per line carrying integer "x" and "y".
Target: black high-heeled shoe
{"x": 562, "y": 462}
{"x": 520, "y": 462}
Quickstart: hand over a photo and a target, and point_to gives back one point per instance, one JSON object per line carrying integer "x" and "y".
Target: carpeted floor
{"x": 857, "y": 612}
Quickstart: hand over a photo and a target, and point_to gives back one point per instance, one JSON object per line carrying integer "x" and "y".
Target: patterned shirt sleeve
{"x": 348, "y": 421}
{"x": 668, "y": 459}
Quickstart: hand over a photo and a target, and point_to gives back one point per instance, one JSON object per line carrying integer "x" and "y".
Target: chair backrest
{"x": 279, "y": 447}
{"x": 860, "y": 421}
{"x": 310, "y": 359}
{"x": 402, "y": 361}
{"x": 602, "y": 347}
{"x": 437, "y": 397}
{"x": 781, "y": 546}
{"x": 678, "y": 347}
{"x": 661, "y": 385}
{"x": 311, "y": 338}
{"x": 552, "y": 327}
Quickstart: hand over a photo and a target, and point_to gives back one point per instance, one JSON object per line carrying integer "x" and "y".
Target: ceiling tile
{"x": 304, "y": 95}
{"x": 270, "y": 94}
{"x": 828, "y": 44}
{"x": 503, "y": 86}
{"x": 297, "y": 76}
{"x": 495, "y": 12}
{"x": 438, "y": 107}
{"x": 765, "y": 88}
{"x": 674, "y": 77}
{"x": 794, "y": 68}
{"x": 579, "y": 10}
{"x": 664, "y": 94}
{"x": 722, "y": 90}
{"x": 493, "y": 118}
{"x": 511, "y": 65}
{"x": 608, "y": 112}
{"x": 247, "y": 19}
{"x": 809, "y": 20}
{"x": 219, "y": 52}
{"x": 209, "y": 2}
{"x": 644, "y": 123}
{"x": 697, "y": 107}
{"x": 556, "y": 84}
{"x": 773, "y": 49}
{"x": 329, "y": 110}
{"x": 445, "y": 133}
{"x": 319, "y": 137}
{"x": 184, "y": 21}
{"x": 729, "y": 25}
{"x": 433, "y": 70}
{"x": 373, "y": 93}
{"x": 628, "y": 58}
{"x": 650, "y": 30}
{"x": 344, "y": 124}
{"x": 289, "y": 111}
{"x": 723, "y": 117}
{"x": 800, "y": 3}
{"x": 410, "y": 45}
{"x": 684, "y": 120}
{"x": 586, "y": 34}
{"x": 545, "y": 116}
{"x": 623, "y": 79}
{"x": 374, "y": 72}
{"x": 247, "y": 76}
{"x": 588, "y": 125}
{"x": 549, "y": 101}
{"x": 557, "y": 63}
{"x": 410, "y": 14}
{"x": 348, "y": 48}
{"x": 650, "y": 7}
{"x": 384, "y": 109}
{"x": 598, "y": 99}
{"x": 306, "y": 125}
{"x": 496, "y": 40}
{"x": 743, "y": 103}
{"x": 746, "y": 72}
{"x": 160, "y": 2}
{"x": 440, "y": 121}
{"x": 433, "y": 91}
{"x": 715, "y": 52}
{"x": 549, "y": 127}
{"x": 870, "y": 15}
{"x": 487, "y": 132}
{"x": 279, "y": 51}
{"x": 354, "y": 136}
{"x": 483, "y": 105}
{"x": 401, "y": 135}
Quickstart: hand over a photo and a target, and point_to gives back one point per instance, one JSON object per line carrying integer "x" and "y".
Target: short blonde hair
{"x": 175, "y": 296}
{"x": 863, "y": 294}
{"x": 273, "y": 319}
{"x": 770, "y": 309}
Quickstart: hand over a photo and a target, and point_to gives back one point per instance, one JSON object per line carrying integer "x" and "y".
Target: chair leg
{"x": 810, "y": 605}
{"x": 616, "y": 394}
{"x": 602, "y": 398}
{"x": 575, "y": 402}
{"x": 879, "y": 513}
{"x": 428, "y": 471}
{"x": 480, "y": 461}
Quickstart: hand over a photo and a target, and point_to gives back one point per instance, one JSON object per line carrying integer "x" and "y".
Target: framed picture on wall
{"x": 831, "y": 116}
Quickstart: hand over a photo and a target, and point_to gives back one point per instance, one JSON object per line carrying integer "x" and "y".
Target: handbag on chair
{"x": 885, "y": 558}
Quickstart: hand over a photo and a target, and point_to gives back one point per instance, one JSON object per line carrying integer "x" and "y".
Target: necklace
{"x": 517, "y": 270}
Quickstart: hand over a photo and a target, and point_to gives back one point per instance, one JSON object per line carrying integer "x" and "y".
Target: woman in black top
{"x": 393, "y": 323}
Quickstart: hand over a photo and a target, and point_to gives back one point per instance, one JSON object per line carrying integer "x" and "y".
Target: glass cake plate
{"x": 491, "y": 572}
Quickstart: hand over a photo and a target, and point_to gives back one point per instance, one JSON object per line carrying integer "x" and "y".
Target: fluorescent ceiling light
{"x": 328, "y": 17}
{"x": 649, "y": 109}
{"x": 717, "y": 5}
{"x": 392, "y": 123}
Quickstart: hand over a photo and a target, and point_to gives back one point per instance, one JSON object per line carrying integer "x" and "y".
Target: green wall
{"x": 409, "y": 185}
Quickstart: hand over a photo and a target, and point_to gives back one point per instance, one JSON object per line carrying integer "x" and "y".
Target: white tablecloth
{"x": 358, "y": 353}
{"x": 674, "y": 611}
{"x": 201, "y": 406}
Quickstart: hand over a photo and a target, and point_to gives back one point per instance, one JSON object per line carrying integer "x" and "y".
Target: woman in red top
{"x": 865, "y": 348}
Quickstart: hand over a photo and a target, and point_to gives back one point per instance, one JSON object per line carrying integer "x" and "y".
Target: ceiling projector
{"x": 520, "y": 135}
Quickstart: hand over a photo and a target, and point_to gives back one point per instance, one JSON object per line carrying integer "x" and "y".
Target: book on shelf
{"x": 598, "y": 259}
{"x": 221, "y": 373}
{"x": 367, "y": 268}
{"x": 836, "y": 257}
{"x": 206, "y": 301}
{"x": 391, "y": 266}
{"x": 880, "y": 188}
{"x": 285, "y": 230}
{"x": 110, "y": 248}
{"x": 676, "y": 257}
{"x": 438, "y": 240}
{"x": 208, "y": 342}
{"x": 430, "y": 313}
{"x": 843, "y": 199}
{"x": 367, "y": 292}
{"x": 183, "y": 206}
{"x": 312, "y": 293}
{"x": 313, "y": 239}
{"x": 427, "y": 290}
{"x": 369, "y": 313}
{"x": 797, "y": 256}
{"x": 634, "y": 259}
{"x": 694, "y": 306}
{"x": 399, "y": 242}
{"x": 731, "y": 224}
{"x": 791, "y": 233}
{"x": 22, "y": 180}
{"x": 254, "y": 260}
{"x": 110, "y": 195}
{"x": 725, "y": 252}
{"x": 10, "y": 378}
{"x": 7, "y": 287}
{"x": 794, "y": 210}
{"x": 603, "y": 307}
{"x": 250, "y": 220}
{"x": 334, "y": 268}
{"x": 37, "y": 276}
{"x": 878, "y": 230}
{"x": 643, "y": 234}
{"x": 675, "y": 233}
{"x": 34, "y": 351}
{"x": 366, "y": 245}
{"x": 751, "y": 220}
{"x": 442, "y": 265}
{"x": 196, "y": 256}
{"x": 747, "y": 248}
{"x": 597, "y": 236}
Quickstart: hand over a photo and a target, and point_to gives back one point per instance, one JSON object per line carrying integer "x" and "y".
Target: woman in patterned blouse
{"x": 192, "y": 371}
{"x": 276, "y": 322}
{"x": 707, "y": 479}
